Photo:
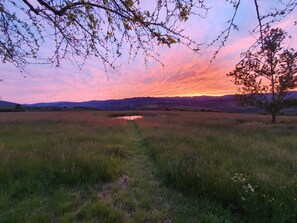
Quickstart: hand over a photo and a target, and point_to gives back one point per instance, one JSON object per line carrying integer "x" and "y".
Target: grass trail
{"x": 142, "y": 198}
{"x": 81, "y": 168}
{"x": 138, "y": 193}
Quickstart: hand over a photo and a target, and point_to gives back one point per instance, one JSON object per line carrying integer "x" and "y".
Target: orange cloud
{"x": 185, "y": 73}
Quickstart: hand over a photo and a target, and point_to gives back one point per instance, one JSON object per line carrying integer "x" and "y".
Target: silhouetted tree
{"x": 18, "y": 108}
{"x": 78, "y": 29}
{"x": 266, "y": 76}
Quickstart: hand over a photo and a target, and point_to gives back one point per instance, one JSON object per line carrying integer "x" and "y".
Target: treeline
{"x": 15, "y": 108}
{"x": 21, "y": 108}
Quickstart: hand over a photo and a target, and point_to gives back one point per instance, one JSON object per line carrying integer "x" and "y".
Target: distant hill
{"x": 205, "y": 103}
{"x": 151, "y": 103}
{"x": 201, "y": 103}
{"x": 7, "y": 104}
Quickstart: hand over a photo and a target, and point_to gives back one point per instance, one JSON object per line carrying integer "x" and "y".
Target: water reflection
{"x": 130, "y": 117}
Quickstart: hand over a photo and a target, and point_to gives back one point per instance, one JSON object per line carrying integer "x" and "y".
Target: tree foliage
{"x": 266, "y": 76}
{"x": 79, "y": 29}
{"x": 19, "y": 108}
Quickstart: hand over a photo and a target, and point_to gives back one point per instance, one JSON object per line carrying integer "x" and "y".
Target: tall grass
{"x": 40, "y": 157}
{"x": 248, "y": 166}
{"x": 54, "y": 166}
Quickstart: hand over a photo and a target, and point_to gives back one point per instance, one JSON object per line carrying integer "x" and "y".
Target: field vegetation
{"x": 241, "y": 161}
{"x": 51, "y": 164}
{"x": 166, "y": 167}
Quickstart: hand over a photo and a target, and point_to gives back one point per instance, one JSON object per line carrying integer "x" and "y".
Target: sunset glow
{"x": 185, "y": 73}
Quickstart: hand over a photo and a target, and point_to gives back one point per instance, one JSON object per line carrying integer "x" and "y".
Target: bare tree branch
{"x": 79, "y": 29}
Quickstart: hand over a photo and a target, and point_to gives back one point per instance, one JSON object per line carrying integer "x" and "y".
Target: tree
{"x": 19, "y": 108}
{"x": 79, "y": 29}
{"x": 266, "y": 76}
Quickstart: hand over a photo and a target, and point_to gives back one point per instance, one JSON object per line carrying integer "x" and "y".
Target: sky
{"x": 185, "y": 73}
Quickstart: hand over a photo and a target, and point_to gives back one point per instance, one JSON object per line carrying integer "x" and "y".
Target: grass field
{"x": 166, "y": 167}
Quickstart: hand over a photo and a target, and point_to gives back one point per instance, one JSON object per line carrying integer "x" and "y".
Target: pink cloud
{"x": 185, "y": 73}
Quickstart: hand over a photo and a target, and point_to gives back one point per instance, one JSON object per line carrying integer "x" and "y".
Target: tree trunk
{"x": 273, "y": 117}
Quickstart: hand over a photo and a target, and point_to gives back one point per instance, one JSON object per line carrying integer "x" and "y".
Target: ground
{"x": 166, "y": 167}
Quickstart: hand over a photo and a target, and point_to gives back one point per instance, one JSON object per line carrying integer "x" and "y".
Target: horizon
{"x": 174, "y": 96}
{"x": 185, "y": 74}
{"x": 117, "y": 99}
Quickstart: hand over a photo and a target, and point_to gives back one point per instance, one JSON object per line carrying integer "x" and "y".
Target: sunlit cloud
{"x": 185, "y": 73}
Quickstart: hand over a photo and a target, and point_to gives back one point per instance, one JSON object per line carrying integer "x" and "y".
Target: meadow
{"x": 167, "y": 167}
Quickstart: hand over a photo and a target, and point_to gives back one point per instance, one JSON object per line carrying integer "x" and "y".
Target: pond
{"x": 130, "y": 117}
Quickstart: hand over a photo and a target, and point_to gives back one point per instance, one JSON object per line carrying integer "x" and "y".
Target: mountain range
{"x": 225, "y": 103}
